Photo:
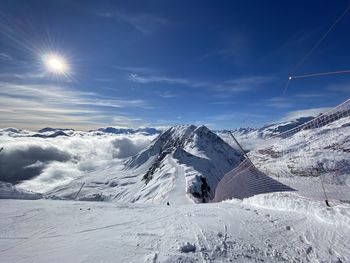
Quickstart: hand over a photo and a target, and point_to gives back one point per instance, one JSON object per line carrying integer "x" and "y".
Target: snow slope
{"x": 320, "y": 152}
{"x": 324, "y": 143}
{"x": 306, "y": 159}
{"x": 268, "y": 228}
{"x": 251, "y": 138}
{"x": 8, "y": 191}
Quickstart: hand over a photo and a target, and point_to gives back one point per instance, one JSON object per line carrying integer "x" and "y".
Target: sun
{"x": 56, "y": 64}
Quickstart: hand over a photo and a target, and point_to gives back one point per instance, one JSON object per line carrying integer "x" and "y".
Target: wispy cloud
{"x": 168, "y": 95}
{"x": 340, "y": 87}
{"x": 28, "y": 76}
{"x": 231, "y": 85}
{"x": 129, "y": 121}
{"x": 279, "y": 102}
{"x": 244, "y": 83}
{"x": 154, "y": 79}
{"x": 230, "y": 116}
{"x": 313, "y": 112}
{"x": 234, "y": 46}
{"x": 137, "y": 69}
{"x": 37, "y": 105}
{"x": 146, "y": 23}
{"x": 224, "y": 102}
{"x": 296, "y": 100}
{"x": 5, "y": 56}
{"x": 315, "y": 95}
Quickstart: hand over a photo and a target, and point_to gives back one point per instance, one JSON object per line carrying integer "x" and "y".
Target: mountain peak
{"x": 206, "y": 156}
{"x": 180, "y": 136}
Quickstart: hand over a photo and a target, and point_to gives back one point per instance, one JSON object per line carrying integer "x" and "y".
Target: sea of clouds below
{"x": 41, "y": 164}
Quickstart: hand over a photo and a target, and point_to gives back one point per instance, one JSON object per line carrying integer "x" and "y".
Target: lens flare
{"x": 56, "y": 64}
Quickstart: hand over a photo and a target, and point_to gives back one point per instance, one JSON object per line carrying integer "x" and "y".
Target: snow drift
{"x": 291, "y": 202}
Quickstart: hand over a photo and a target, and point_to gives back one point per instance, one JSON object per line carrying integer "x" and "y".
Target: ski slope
{"x": 270, "y": 228}
{"x": 178, "y": 194}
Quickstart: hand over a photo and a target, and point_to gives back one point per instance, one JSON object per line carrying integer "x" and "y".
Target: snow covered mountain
{"x": 303, "y": 157}
{"x": 278, "y": 128}
{"x": 309, "y": 153}
{"x": 250, "y": 138}
{"x": 182, "y": 164}
{"x": 115, "y": 130}
{"x": 49, "y": 134}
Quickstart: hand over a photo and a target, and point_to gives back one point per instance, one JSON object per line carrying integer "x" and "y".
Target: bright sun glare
{"x": 56, "y": 64}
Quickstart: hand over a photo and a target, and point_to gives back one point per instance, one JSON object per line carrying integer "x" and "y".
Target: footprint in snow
{"x": 308, "y": 250}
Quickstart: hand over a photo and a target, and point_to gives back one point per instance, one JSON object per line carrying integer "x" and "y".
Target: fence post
{"x": 81, "y": 187}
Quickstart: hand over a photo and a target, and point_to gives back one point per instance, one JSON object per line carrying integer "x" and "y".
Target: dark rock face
{"x": 52, "y": 135}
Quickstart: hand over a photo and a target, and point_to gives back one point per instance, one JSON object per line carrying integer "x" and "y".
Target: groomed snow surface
{"x": 279, "y": 227}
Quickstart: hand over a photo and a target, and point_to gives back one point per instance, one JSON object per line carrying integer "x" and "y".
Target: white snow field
{"x": 265, "y": 228}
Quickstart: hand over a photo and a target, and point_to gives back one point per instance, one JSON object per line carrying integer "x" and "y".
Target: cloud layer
{"x": 40, "y": 165}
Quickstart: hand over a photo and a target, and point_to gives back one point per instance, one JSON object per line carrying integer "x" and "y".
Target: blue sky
{"x": 160, "y": 63}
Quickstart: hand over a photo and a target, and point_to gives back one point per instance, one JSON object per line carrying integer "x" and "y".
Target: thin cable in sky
{"x": 298, "y": 65}
{"x": 319, "y": 74}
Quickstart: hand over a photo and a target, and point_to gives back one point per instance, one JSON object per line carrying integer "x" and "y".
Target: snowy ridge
{"x": 276, "y": 129}
{"x": 291, "y": 202}
{"x": 251, "y": 138}
{"x": 321, "y": 151}
{"x": 8, "y": 191}
{"x": 205, "y": 156}
{"x": 118, "y": 130}
{"x": 49, "y": 132}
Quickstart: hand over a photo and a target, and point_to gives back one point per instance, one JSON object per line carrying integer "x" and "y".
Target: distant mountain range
{"x": 250, "y": 138}
{"x": 113, "y": 130}
{"x": 264, "y": 132}
{"x": 50, "y": 132}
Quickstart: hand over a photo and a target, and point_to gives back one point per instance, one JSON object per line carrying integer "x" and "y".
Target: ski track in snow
{"x": 178, "y": 194}
{"x": 68, "y": 231}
